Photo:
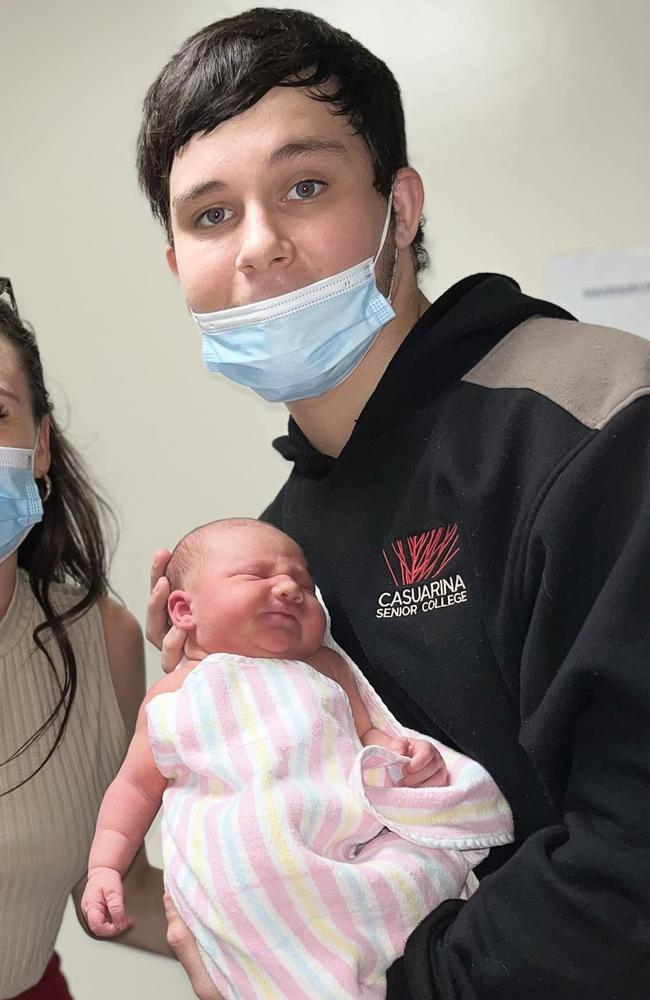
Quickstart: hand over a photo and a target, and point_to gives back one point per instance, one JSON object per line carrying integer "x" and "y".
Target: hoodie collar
{"x": 452, "y": 336}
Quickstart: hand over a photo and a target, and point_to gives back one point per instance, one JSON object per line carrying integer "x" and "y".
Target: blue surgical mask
{"x": 20, "y": 502}
{"x": 304, "y": 343}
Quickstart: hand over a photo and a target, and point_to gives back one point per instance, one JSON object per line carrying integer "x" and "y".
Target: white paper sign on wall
{"x": 611, "y": 289}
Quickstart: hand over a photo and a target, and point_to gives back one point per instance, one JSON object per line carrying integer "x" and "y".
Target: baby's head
{"x": 242, "y": 586}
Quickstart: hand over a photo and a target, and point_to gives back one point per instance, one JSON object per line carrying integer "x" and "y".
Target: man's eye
{"x": 214, "y": 217}
{"x": 305, "y": 190}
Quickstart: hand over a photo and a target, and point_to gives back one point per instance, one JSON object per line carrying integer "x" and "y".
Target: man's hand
{"x": 170, "y": 641}
{"x": 185, "y": 948}
{"x": 102, "y": 903}
{"x": 426, "y": 767}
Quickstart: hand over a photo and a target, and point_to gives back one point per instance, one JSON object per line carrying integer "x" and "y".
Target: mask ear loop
{"x": 381, "y": 246}
{"x": 384, "y": 233}
{"x": 389, "y": 297}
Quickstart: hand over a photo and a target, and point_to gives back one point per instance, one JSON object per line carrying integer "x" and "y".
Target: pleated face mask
{"x": 20, "y": 502}
{"x": 304, "y": 343}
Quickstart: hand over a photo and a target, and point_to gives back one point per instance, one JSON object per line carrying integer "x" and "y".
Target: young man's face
{"x": 270, "y": 201}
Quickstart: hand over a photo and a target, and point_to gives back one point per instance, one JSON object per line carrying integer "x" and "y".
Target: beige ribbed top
{"x": 47, "y": 825}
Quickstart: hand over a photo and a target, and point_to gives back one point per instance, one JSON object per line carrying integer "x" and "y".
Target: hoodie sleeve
{"x": 568, "y": 916}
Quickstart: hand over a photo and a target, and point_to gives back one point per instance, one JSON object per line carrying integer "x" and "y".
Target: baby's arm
{"x": 127, "y": 811}
{"x": 426, "y": 766}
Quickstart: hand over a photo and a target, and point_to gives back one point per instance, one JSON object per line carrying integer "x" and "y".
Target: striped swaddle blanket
{"x": 290, "y": 853}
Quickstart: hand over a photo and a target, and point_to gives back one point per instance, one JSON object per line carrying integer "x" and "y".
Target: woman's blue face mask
{"x": 20, "y": 502}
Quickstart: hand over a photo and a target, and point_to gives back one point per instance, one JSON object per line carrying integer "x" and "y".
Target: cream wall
{"x": 527, "y": 118}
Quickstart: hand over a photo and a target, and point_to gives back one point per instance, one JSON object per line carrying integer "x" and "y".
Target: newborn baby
{"x": 302, "y": 841}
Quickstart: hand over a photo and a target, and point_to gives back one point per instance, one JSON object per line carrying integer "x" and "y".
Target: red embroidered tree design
{"x": 422, "y": 557}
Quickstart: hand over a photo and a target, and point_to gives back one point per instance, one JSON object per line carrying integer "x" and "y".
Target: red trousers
{"x": 53, "y": 985}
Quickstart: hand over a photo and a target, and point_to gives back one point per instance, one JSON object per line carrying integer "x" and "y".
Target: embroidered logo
{"x": 422, "y": 557}
{"x": 415, "y": 565}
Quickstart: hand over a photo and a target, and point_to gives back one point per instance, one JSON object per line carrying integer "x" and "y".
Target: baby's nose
{"x": 287, "y": 589}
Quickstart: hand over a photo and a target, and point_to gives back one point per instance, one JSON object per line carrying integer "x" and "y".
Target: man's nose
{"x": 286, "y": 589}
{"x": 263, "y": 245}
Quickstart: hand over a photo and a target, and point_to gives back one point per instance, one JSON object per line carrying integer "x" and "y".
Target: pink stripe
{"x": 322, "y": 879}
{"x": 324, "y": 837}
{"x": 387, "y": 903}
{"x": 326, "y": 886}
{"x": 289, "y": 915}
{"x": 248, "y": 932}
{"x": 281, "y": 900}
{"x": 241, "y": 923}
{"x": 204, "y": 907}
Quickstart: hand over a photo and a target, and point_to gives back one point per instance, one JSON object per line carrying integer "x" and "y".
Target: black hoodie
{"x": 482, "y": 544}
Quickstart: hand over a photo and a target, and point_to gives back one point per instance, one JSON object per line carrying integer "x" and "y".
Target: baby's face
{"x": 253, "y": 595}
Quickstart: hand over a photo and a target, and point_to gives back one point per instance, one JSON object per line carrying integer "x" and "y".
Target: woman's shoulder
{"x": 62, "y": 596}
{"x": 121, "y": 627}
{"x": 122, "y": 637}
{"x": 125, "y": 648}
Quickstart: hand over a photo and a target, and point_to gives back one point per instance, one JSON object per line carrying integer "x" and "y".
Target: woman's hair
{"x": 230, "y": 65}
{"x": 66, "y": 546}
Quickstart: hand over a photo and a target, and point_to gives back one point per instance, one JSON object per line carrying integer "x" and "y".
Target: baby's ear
{"x": 180, "y": 613}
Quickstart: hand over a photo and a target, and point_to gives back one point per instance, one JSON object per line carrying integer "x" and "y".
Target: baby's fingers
{"x": 422, "y": 754}
{"x": 98, "y": 920}
{"x": 401, "y": 745}
{"x": 426, "y": 767}
{"x": 115, "y": 906}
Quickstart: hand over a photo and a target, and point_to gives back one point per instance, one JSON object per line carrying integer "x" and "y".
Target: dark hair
{"x": 66, "y": 546}
{"x": 228, "y": 66}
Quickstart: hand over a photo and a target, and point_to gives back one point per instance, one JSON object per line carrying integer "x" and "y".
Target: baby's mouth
{"x": 281, "y": 615}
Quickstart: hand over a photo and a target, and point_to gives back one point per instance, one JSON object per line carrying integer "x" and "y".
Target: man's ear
{"x": 179, "y": 610}
{"x": 408, "y": 202}
{"x": 170, "y": 255}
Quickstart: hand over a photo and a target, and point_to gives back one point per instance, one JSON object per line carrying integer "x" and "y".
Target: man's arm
{"x": 568, "y": 916}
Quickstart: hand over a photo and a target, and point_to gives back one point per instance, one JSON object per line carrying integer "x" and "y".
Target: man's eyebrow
{"x": 288, "y": 151}
{"x": 310, "y": 144}
{"x": 197, "y": 191}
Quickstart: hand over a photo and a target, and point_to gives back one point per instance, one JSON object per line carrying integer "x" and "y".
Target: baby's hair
{"x": 190, "y": 549}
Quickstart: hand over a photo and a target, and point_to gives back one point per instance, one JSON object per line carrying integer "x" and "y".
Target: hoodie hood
{"x": 452, "y": 336}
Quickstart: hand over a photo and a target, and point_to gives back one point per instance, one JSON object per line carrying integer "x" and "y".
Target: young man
{"x": 470, "y": 483}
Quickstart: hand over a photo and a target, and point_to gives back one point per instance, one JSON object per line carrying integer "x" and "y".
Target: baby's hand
{"x": 102, "y": 903}
{"x": 426, "y": 767}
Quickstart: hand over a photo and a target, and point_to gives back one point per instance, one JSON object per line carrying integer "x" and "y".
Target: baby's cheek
{"x": 317, "y": 621}
{"x": 217, "y": 624}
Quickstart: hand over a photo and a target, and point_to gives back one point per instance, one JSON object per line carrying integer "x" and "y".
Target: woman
{"x": 71, "y": 676}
